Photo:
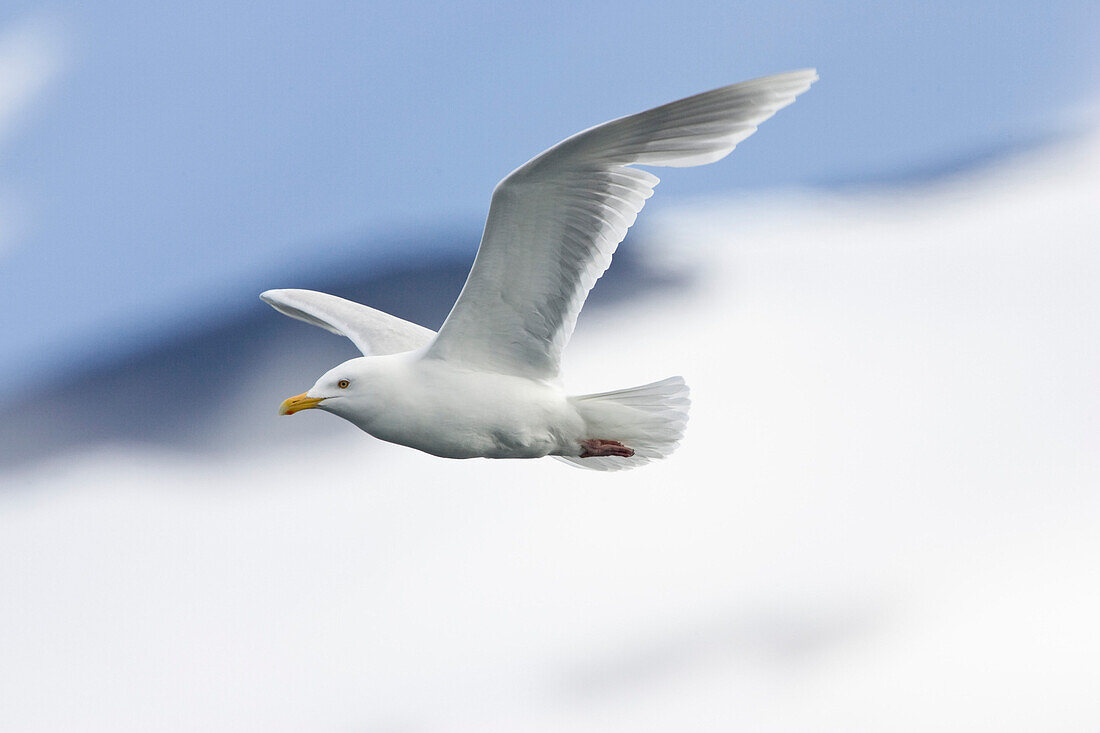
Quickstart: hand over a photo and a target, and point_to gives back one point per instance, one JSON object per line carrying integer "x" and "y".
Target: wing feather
{"x": 373, "y": 332}
{"x": 555, "y": 222}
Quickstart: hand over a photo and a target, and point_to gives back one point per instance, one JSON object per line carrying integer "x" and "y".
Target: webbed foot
{"x": 594, "y": 448}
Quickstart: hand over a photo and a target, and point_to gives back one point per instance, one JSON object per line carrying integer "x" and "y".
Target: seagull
{"x": 488, "y": 384}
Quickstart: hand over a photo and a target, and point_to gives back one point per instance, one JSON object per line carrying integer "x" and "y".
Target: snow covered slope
{"x": 884, "y": 516}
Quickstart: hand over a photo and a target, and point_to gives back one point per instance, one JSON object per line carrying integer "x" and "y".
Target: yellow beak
{"x": 296, "y": 403}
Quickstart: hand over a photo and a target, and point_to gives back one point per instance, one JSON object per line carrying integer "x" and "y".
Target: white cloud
{"x": 31, "y": 58}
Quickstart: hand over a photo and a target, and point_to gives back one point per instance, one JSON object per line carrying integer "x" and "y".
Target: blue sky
{"x": 187, "y": 155}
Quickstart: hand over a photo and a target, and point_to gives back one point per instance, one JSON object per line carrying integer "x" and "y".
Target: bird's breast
{"x": 465, "y": 414}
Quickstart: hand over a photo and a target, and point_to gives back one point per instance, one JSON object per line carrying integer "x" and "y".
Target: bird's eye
{"x": 343, "y": 384}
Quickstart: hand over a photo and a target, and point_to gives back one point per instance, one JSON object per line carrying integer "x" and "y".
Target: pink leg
{"x": 594, "y": 448}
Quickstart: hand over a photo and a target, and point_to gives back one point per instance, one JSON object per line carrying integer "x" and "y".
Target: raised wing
{"x": 555, "y": 221}
{"x": 372, "y": 331}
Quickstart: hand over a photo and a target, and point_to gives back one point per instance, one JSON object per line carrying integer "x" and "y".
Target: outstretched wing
{"x": 555, "y": 221}
{"x": 372, "y": 331}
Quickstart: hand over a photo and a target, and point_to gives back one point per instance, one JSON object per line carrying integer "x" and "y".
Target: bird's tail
{"x": 650, "y": 419}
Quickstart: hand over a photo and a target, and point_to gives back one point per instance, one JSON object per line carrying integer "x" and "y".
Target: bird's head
{"x": 339, "y": 388}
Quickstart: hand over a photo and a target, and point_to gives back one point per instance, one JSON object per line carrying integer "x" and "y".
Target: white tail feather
{"x": 650, "y": 419}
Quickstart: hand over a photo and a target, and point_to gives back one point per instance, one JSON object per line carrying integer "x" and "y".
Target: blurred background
{"x": 885, "y": 513}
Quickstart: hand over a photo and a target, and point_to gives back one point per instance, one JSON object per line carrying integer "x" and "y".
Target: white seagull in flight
{"x": 488, "y": 384}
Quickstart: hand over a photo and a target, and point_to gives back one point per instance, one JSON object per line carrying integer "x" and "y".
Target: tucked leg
{"x": 594, "y": 448}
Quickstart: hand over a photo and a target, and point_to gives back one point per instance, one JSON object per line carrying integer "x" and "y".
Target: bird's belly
{"x": 470, "y": 416}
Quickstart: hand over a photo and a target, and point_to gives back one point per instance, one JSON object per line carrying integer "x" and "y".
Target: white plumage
{"x": 488, "y": 383}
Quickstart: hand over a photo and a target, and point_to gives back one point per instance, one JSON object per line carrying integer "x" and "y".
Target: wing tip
{"x": 796, "y": 81}
{"x": 277, "y": 296}
{"x": 808, "y": 74}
